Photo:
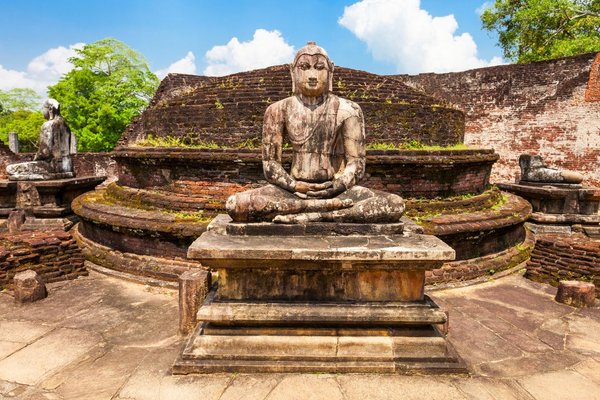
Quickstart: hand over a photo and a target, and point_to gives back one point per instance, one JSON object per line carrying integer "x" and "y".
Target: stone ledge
{"x": 142, "y": 267}
{"x": 540, "y": 217}
{"x": 234, "y": 251}
{"x": 369, "y": 314}
{"x": 515, "y": 211}
{"x": 97, "y": 209}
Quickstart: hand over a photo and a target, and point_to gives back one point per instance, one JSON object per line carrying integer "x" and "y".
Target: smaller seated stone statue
{"x": 53, "y": 159}
{"x": 533, "y": 169}
{"x": 327, "y": 137}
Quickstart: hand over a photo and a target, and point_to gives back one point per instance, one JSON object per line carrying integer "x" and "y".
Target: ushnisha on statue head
{"x": 312, "y": 72}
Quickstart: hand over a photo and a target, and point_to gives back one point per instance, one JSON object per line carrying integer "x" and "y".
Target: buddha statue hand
{"x": 301, "y": 188}
{"x": 334, "y": 188}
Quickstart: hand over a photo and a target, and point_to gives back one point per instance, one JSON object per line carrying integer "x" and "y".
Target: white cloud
{"x": 187, "y": 65}
{"x": 265, "y": 49}
{"x": 43, "y": 71}
{"x": 401, "y": 32}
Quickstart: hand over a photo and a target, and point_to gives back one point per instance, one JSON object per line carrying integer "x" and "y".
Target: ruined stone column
{"x": 13, "y": 142}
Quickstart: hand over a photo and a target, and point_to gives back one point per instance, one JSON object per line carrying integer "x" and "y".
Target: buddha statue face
{"x": 312, "y": 71}
{"x": 311, "y": 75}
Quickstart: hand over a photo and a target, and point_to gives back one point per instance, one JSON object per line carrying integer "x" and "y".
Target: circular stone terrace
{"x": 197, "y": 143}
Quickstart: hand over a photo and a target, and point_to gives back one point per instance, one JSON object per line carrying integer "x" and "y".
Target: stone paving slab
{"x": 102, "y": 338}
{"x": 53, "y": 351}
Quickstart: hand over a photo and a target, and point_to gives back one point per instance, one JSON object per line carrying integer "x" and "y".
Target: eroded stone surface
{"x": 193, "y": 288}
{"x": 213, "y": 245}
{"x": 533, "y": 169}
{"x": 576, "y": 293}
{"x": 29, "y": 287}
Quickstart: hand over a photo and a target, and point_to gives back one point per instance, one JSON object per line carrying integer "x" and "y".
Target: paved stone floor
{"x": 102, "y": 338}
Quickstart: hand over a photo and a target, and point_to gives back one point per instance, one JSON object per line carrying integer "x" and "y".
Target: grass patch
{"x": 414, "y": 145}
{"x": 188, "y": 143}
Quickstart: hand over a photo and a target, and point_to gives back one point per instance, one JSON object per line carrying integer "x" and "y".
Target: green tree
{"x": 534, "y": 30}
{"x": 109, "y": 85}
{"x": 27, "y": 125}
{"x": 19, "y": 112}
{"x": 20, "y": 99}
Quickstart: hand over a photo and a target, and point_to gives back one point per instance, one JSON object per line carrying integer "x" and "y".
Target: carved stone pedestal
{"x": 47, "y": 204}
{"x": 322, "y": 302}
{"x": 571, "y": 206}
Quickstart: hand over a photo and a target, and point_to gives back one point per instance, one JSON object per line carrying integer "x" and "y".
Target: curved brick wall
{"x": 216, "y": 174}
{"x": 229, "y": 110}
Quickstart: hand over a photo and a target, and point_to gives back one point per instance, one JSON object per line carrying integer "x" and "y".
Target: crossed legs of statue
{"x": 356, "y": 205}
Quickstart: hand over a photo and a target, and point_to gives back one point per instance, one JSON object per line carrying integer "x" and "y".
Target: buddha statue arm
{"x": 272, "y": 143}
{"x": 46, "y": 139}
{"x": 354, "y": 149}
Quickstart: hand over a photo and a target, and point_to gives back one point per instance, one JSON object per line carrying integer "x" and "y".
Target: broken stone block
{"x": 576, "y": 293}
{"x": 29, "y": 287}
{"x": 193, "y": 288}
{"x": 16, "y": 219}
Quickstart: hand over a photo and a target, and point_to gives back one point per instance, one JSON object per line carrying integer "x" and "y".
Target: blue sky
{"x": 380, "y": 36}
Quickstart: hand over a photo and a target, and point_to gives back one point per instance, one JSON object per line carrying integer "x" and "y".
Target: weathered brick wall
{"x": 53, "y": 254}
{"x": 229, "y": 110}
{"x": 94, "y": 164}
{"x": 560, "y": 257}
{"x": 551, "y": 108}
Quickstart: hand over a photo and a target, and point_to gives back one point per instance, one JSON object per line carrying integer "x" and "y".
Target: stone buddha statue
{"x": 327, "y": 136}
{"x": 53, "y": 159}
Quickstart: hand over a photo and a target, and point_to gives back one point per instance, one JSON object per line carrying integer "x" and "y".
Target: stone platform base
{"x": 318, "y": 303}
{"x": 323, "y": 337}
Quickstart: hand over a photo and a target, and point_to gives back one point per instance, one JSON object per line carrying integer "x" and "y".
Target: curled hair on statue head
{"x": 312, "y": 49}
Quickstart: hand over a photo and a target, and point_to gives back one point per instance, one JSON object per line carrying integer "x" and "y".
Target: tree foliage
{"x": 26, "y": 124}
{"x": 109, "y": 86}
{"x": 19, "y": 112}
{"x": 534, "y": 30}
{"x": 19, "y": 99}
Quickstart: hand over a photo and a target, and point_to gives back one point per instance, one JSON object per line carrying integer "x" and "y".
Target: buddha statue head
{"x": 50, "y": 109}
{"x": 312, "y": 71}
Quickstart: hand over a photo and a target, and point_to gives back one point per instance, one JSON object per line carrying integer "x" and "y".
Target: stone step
{"x": 405, "y": 351}
{"x": 253, "y": 313}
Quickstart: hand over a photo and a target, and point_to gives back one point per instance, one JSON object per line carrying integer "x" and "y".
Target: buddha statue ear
{"x": 330, "y": 77}
{"x": 293, "y": 79}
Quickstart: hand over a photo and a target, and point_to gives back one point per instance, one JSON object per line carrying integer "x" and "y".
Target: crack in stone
{"x": 227, "y": 385}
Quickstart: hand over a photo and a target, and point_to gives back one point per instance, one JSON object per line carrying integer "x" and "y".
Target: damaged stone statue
{"x": 533, "y": 169}
{"x": 327, "y": 136}
{"x": 53, "y": 159}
